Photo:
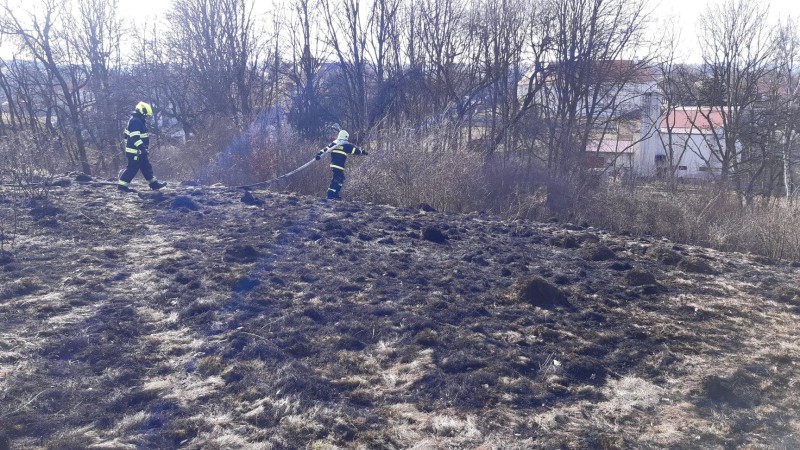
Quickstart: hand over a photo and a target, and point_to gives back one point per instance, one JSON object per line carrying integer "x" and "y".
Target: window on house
{"x": 683, "y": 168}
{"x": 703, "y": 169}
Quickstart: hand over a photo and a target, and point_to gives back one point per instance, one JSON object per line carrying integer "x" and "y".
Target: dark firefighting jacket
{"x": 137, "y": 139}
{"x": 339, "y": 152}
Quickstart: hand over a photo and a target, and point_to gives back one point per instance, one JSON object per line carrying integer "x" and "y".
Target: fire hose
{"x": 261, "y": 183}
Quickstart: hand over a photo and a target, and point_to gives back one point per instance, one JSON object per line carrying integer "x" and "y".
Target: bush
{"x": 407, "y": 171}
{"x": 26, "y": 174}
{"x": 701, "y": 216}
{"x": 28, "y": 163}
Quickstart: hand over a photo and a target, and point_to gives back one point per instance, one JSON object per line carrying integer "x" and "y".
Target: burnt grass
{"x": 201, "y": 319}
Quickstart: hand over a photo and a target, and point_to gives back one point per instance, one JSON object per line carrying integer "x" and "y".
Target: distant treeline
{"x": 531, "y": 84}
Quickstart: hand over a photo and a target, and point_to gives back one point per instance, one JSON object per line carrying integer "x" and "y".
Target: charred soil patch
{"x": 272, "y": 320}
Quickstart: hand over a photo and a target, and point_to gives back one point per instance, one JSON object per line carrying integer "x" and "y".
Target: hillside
{"x": 195, "y": 318}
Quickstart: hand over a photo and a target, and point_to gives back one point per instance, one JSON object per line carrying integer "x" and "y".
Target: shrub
{"x": 703, "y": 216}
{"x": 237, "y": 159}
{"x": 28, "y": 163}
{"x": 406, "y": 170}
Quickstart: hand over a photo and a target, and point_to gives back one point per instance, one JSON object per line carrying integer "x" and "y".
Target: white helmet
{"x": 343, "y": 135}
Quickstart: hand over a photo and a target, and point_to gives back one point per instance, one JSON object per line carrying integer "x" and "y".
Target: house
{"x": 626, "y": 138}
{"x": 640, "y": 139}
{"x": 689, "y": 137}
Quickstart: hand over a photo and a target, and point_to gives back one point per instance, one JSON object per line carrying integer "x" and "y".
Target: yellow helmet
{"x": 343, "y": 135}
{"x": 144, "y": 109}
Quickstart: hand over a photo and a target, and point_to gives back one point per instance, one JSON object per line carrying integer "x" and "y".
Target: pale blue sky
{"x": 686, "y": 12}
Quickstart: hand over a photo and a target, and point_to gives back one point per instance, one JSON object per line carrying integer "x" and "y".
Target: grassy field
{"x": 200, "y": 318}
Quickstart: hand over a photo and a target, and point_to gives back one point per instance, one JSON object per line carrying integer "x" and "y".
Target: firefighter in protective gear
{"x": 339, "y": 150}
{"x": 137, "y": 140}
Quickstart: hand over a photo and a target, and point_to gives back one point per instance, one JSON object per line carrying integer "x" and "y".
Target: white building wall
{"x": 697, "y": 160}
{"x": 650, "y": 143}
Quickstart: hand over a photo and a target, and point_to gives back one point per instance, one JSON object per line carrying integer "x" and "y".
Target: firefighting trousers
{"x": 336, "y": 183}
{"x": 135, "y": 164}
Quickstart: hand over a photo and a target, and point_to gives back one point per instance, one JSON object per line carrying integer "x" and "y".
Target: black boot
{"x": 156, "y": 185}
{"x": 122, "y": 188}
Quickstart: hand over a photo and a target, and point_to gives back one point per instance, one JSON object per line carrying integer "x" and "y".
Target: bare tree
{"x": 156, "y": 74}
{"x": 450, "y": 46}
{"x": 97, "y": 38}
{"x": 588, "y": 79}
{"x": 365, "y": 39}
{"x": 403, "y": 94}
{"x": 737, "y": 58}
{"x": 384, "y": 58}
{"x": 11, "y": 86}
{"x": 346, "y": 35}
{"x": 304, "y": 70}
{"x": 786, "y": 84}
{"x": 505, "y": 28}
{"x": 216, "y": 43}
{"x": 672, "y": 99}
{"x": 43, "y": 35}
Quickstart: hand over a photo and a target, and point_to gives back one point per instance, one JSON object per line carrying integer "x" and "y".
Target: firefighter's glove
{"x": 364, "y": 152}
{"x": 318, "y": 156}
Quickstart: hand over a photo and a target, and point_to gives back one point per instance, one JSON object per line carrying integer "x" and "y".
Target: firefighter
{"x": 137, "y": 140}
{"x": 339, "y": 149}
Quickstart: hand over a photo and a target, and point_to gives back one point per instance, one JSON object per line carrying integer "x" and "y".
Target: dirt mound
{"x": 740, "y": 390}
{"x": 639, "y": 277}
{"x": 434, "y": 234}
{"x": 43, "y": 209}
{"x": 785, "y": 294}
{"x": 183, "y": 202}
{"x": 696, "y": 265}
{"x": 20, "y": 287}
{"x": 599, "y": 252}
{"x": 539, "y": 292}
{"x": 242, "y": 253}
{"x": 665, "y": 255}
{"x": 6, "y": 257}
{"x": 249, "y": 199}
{"x": 566, "y": 241}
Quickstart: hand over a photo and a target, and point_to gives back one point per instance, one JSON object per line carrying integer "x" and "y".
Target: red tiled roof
{"x": 703, "y": 118}
{"x": 626, "y": 70}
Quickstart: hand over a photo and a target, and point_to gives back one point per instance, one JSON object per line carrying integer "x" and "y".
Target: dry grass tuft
{"x": 21, "y": 287}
